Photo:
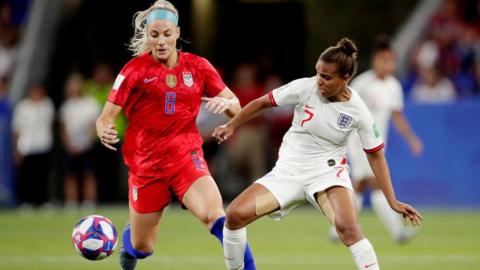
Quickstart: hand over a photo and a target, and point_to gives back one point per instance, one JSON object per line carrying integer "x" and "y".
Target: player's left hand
{"x": 407, "y": 210}
{"x": 216, "y": 104}
{"x": 223, "y": 132}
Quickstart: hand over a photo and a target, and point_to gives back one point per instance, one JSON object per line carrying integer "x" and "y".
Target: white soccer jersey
{"x": 320, "y": 128}
{"x": 78, "y": 116}
{"x": 33, "y": 123}
{"x": 382, "y": 98}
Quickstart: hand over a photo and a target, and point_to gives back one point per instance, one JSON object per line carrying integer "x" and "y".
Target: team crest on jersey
{"x": 171, "y": 80}
{"x": 344, "y": 120}
{"x": 188, "y": 79}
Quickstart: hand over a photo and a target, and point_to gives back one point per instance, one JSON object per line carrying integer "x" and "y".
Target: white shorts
{"x": 293, "y": 184}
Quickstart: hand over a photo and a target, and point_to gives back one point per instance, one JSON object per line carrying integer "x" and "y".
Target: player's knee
{"x": 236, "y": 218}
{"x": 348, "y": 232}
{"x": 212, "y": 216}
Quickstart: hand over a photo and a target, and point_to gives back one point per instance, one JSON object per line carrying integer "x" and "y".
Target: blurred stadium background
{"x": 256, "y": 45}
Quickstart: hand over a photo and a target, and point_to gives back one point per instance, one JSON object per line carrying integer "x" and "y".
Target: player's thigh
{"x": 361, "y": 185}
{"x": 203, "y": 199}
{"x": 143, "y": 226}
{"x": 342, "y": 201}
{"x": 254, "y": 202}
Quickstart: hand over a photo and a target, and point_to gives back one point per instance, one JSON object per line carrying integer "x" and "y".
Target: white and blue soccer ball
{"x": 94, "y": 237}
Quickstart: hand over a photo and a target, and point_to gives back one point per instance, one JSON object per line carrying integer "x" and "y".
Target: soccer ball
{"x": 94, "y": 237}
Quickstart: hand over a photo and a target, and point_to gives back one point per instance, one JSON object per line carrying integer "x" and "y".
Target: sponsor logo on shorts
{"x": 197, "y": 161}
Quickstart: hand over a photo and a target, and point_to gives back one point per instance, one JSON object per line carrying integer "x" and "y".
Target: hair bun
{"x": 347, "y": 46}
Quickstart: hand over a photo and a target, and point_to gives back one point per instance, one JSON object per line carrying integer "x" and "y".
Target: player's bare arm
{"x": 403, "y": 127}
{"x": 225, "y": 102}
{"x": 382, "y": 174}
{"x": 105, "y": 125}
{"x": 223, "y": 132}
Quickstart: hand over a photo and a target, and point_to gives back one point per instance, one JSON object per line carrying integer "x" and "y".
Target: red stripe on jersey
{"x": 272, "y": 99}
{"x": 344, "y": 161}
{"x": 375, "y": 149}
{"x": 339, "y": 172}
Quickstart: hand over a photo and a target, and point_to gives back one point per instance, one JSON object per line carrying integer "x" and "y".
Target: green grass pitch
{"x": 447, "y": 241}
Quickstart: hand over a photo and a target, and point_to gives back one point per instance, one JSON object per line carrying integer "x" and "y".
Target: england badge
{"x": 344, "y": 120}
{"x": 188, "y": 79}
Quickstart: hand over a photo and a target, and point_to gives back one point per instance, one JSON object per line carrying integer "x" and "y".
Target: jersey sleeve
{"x": 292, "y": 93}
{"x": 213, "y": 82}
{"x": 368, "y": 132}
{"x": 124, "y": 84}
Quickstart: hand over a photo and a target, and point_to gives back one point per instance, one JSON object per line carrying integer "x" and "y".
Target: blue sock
{"x": 127, "y": 244}
{"x": 217, "y": 230}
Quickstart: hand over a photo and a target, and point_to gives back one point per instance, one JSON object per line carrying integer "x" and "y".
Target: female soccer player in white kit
{"x": 312, "y": 163}
{"x": 383, "y": 95}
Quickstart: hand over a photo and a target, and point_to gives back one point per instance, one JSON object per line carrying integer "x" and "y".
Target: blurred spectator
{"x": 32, "y": 132}
{"x": 213, "y": 153}
{"x": 99, "y": 86}
{"x": 108, "y": 166}
{"x": 77, "y": 128}
{"x": 246, "y": 150}
{"x": 452, "y": 44}
{"x": 432, "y": 87}
{"x": 6, "y": 154}
{"x": 467, "y": 49}
{"x": 3, "y": 89}
{"x": 443, "y": 29}
{"x": 9, "y": 35}
{"x": 279, "y": 121}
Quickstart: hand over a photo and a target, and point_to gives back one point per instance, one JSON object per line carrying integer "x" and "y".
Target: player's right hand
{"x": 407, "y": 211}
{"x": 108, "y": 136}
{"x": 416, "y": 146}
{"x": 223, "y": 132}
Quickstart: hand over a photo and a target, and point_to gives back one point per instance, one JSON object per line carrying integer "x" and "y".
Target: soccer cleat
{"x": 405, "y": 236}
{"x": 127, "y": 262}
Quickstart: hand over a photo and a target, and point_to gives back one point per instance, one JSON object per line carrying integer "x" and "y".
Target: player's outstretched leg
{"x": 247, "y": 262}
{"x": 364, "y": 255}
{"x": 348, "y": 228}
{"x": 332, "y": 234}
{"x": 234, "y": 246}
{"x": 390, "y": 218}
{"x": 129, "y": 255}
